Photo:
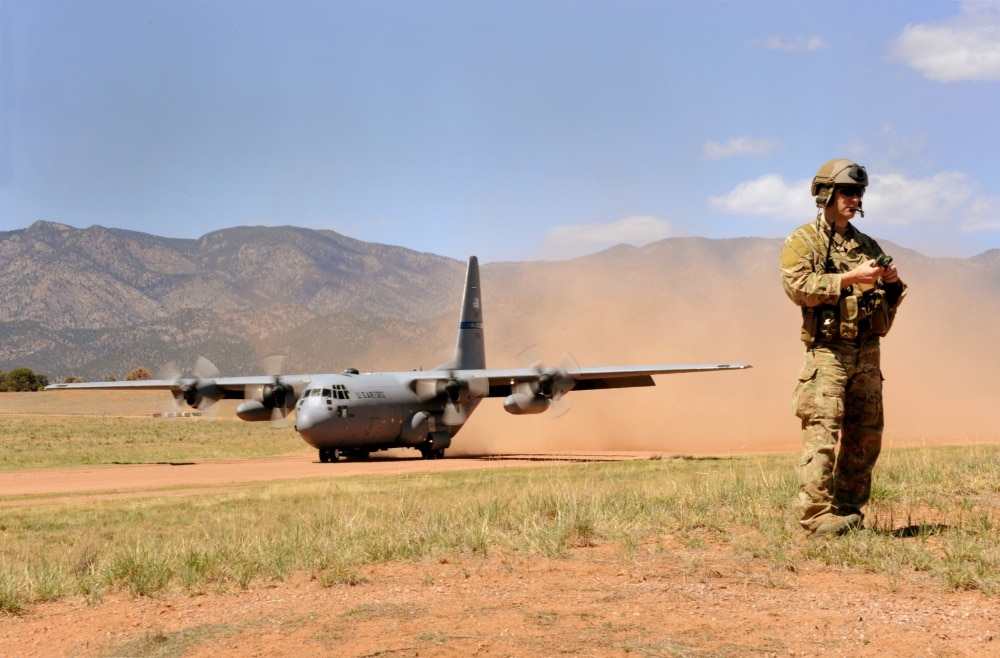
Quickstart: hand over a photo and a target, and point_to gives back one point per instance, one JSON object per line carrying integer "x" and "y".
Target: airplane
{"x": 353, "y": 414}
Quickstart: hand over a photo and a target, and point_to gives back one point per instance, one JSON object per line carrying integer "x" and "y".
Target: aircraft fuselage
{"x": 370, "y": 412}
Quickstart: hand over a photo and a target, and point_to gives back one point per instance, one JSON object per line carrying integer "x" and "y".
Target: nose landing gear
{"x": 329, "y": 455}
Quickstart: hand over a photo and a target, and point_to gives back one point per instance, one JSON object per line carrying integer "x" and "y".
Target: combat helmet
{"x": 839, "y": 171}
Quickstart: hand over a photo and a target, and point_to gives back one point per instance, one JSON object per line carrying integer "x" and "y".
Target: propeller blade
{"x": 274, "y": 365}
{"x": 478, "y": 387}
{"x": 453, "y": 389}
{"x": 454, "y": 414}
{"x": 173, "y": 408}
{"x": 560, "y": 407}
{"x": 279, "y": 417}
{"x": 530, "y": 358}
{"x": 564, "y": 381}
{"x": 205, "y": 369}
{"x": 169, "y": 371}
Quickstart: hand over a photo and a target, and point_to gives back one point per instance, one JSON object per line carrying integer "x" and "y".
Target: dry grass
{"x": 39, "y": 442}
{"x": 935, "y": 511}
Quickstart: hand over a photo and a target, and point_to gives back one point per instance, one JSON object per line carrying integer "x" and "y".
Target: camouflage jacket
{"x": 812, "y": 259}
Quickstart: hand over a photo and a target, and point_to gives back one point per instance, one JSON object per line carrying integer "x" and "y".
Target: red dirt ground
{"x": 661, "y": 601}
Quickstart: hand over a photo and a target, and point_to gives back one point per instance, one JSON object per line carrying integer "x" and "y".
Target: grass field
{"x": 27, "y": 442}
{"x": 934, "y": 510}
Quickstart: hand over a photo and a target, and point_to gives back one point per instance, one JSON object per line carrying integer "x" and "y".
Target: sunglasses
{"x": 851, "y": 190}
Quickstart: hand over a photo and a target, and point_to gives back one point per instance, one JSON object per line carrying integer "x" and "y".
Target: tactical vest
{"x": 863, "y": 310}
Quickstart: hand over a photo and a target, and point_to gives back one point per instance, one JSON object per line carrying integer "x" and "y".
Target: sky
{"x": 513, "y": 130}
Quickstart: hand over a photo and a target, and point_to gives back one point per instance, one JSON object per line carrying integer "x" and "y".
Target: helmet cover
{"x": 839, "y": 171}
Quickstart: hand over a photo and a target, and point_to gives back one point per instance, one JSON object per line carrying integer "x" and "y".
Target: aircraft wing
{"x": 232, "y": 387}
{"x": 504, "y": 382}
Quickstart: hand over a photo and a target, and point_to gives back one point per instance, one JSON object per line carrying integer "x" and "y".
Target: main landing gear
{"x": 333, "y": 455}
{"x": 432, "y": 453}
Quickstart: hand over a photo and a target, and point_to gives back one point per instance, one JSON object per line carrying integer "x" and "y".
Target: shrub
{"x": 139, "y": 373}
{"x": 22, "y": 379}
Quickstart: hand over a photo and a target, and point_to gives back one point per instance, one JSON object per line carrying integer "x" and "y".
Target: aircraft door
{"x": 352, "y": 426}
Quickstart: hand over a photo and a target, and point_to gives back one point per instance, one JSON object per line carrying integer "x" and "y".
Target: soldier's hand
{"x": 890, "y": 275}
{"x": 867, "y": 272}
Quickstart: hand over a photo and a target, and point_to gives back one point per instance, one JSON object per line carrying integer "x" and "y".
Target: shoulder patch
{"x": 803, "y": 242}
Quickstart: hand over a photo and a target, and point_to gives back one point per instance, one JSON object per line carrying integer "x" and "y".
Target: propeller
{"x": 454, "y": 391}
{"x": 203, "y": 393}
{"x": 199, "y": 392}
{"x": 455, "y": 394}
{"x": 553, "y": 383}
{"x": 281, "y": 396}
{"x": 170, "y": 372}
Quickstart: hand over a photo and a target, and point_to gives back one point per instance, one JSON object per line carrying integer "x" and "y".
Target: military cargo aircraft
{"x": 353, "y": 414}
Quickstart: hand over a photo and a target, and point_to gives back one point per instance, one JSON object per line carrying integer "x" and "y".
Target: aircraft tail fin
{"x": 470, "y": 348}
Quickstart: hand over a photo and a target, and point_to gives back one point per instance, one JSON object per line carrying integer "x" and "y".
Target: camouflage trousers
{"x": 838, "y": 397}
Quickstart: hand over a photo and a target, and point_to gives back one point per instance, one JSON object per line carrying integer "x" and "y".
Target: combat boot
{"x": 836, "y": 525}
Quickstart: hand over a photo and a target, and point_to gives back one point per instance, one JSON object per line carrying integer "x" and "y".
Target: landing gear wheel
{"x": 431, "y": 453}
{"x": 329, "y": 455}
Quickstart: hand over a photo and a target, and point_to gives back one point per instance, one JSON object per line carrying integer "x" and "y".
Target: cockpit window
{"x": 338, "y": 392}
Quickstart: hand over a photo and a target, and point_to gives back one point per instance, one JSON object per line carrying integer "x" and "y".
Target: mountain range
{"x": 98, "y": 302}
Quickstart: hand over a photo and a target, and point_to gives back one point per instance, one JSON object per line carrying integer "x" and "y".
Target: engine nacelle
{"x": 254, "y": 410}
{"x": 416, "y": 428}
{"x": 439, "y": 440}
{"x": 271, "y": 395}
{"x": 523, "y": 403}
{"x": 200, "y": 395}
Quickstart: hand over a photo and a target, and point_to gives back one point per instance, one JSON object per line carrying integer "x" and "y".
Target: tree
{"x": 138, "y": 373}
{"x": 22, "y": 379}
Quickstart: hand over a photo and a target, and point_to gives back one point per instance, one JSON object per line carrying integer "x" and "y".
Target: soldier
{"x": 848, "y": 291}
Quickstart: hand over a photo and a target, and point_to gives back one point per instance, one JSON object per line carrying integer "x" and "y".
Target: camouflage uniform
{"x": 839, "y": 392}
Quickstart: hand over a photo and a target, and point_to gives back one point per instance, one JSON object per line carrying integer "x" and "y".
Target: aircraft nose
{"x": 309, "y": 418}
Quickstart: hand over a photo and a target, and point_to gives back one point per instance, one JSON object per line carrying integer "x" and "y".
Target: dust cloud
{"x": 695, "y": 413}
{"x": 938, "y": 362}
{"x": 689, "y": 304}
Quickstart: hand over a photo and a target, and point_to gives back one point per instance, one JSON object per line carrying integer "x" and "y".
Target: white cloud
{"x": 736, "y": 146}
{"x": 945, "y": 198}
{"x": 965, "y": 47}
{"x": 768, "y": 196}
{"x": 578, "y": 239}
{"x": 951, "y": 198}
{"x": 795, "y": 44}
